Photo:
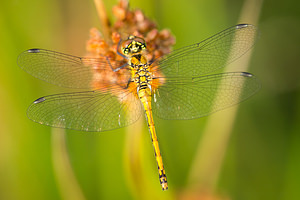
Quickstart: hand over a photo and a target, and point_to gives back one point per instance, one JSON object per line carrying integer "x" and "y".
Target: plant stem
{"x": 209, "y": 158}
{"x": 105, "y": 24}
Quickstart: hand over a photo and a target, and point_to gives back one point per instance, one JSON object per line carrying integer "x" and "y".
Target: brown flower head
{"x": 128, "y": 22}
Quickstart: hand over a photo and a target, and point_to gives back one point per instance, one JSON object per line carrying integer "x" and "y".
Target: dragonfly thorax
{"x": 141, "y": 74}
{"x": 133, "y": 49}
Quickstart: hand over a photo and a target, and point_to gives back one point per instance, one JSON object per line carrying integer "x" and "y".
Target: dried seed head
{"x": 128, "y": 22}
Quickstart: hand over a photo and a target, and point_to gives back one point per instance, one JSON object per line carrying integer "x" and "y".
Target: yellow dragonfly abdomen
{"x": 143, "y": 81}
{"x": 146, "y": 101}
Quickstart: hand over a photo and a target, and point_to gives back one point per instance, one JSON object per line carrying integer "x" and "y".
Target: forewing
{"x": 209, "y": 55}
{"x": 86, "y": 111}
{"x": 189, "y": 98}
{"x": 65, "y": 70}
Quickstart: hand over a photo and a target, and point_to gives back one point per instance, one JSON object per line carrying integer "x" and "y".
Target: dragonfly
{"x": 180, "y": 85}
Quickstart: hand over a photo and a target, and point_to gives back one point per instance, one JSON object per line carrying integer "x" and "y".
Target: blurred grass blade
{"x": 65, "y": 177}
{"x": 103, "y": 18}
{"x": 208, "y": 161}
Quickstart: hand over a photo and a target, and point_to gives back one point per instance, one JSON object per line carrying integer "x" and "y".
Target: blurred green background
{"x": 262, "y": 160}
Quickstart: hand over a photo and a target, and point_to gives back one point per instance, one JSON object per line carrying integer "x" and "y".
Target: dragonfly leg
{"x": 116, "y": 69}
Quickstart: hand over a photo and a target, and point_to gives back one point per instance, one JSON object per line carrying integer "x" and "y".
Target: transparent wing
{"x": 189, "y": 98}
{"x": 65, "y": 70}
{"x": 209, "y": 55}
{"x": 86, "y": 111}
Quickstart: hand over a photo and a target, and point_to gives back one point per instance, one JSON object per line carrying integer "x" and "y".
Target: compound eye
{"x": 124, "y": 46}
{"x": 125, "y": 43}
{"x": 141, "y": 42}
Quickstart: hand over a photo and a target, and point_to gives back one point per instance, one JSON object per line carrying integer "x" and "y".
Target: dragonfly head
{"x": 133, "y": 45}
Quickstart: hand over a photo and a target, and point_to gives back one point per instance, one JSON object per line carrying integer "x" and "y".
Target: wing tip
{"x": 35, "y": 50}
{"x": 39, "y": 100}
{"x": 247, "y": 74}
{"x": 239, "y": 26}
